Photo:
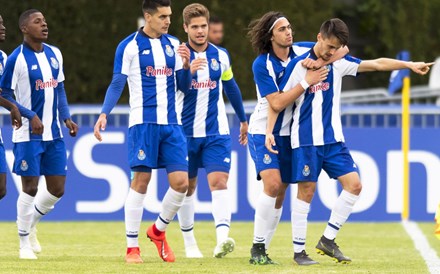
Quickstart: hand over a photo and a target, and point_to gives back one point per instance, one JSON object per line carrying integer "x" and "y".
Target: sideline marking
{"x": 428, "y": 254}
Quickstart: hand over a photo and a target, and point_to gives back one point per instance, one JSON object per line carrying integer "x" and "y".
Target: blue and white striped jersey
{"x": 3, "y": 58}
{"x": 268, "y": 70}
{"x": 151, "y": 66}
{"x": 316, "y": 113}
{"x": 33, "y": 76}
{"x": 203, "y": 108}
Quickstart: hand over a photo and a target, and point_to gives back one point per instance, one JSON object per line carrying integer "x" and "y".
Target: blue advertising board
{"x": 98, "y": 179}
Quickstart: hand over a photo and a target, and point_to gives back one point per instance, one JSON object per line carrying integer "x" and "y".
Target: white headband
{"x": 274, "y": 23}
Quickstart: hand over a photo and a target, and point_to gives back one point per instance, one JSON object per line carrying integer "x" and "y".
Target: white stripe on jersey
{"x": 3, "y": 59}
{"x": 48, "y": 95}
{"x": 202, "y": 101}
{"x": 161, "y": 80}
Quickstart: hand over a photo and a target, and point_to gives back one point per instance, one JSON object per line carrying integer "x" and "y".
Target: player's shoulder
{"x": 222, "y": 52}
{"x": 55, "y": 49}
{"x": 127, "y": 40}
{"x": 171, "y": 39}
{"x": 261, "y": 60}
{"x": 353, "y": 59}
{"x": 15, "y": 53}
{"x": 3, "y": 54}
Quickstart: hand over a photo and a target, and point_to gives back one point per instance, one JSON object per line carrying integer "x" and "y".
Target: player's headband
{"x": 274, "y": 23}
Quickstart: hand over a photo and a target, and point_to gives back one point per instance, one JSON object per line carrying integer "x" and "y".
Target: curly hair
{"x": 260, "y": 32}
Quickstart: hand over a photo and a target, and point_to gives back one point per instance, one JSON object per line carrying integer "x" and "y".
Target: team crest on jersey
{"x": 306, "y": 170}
{"x": 267, "y": 160}
{"x": 54, "y": 63}
{"x": 141, "y": 155}
{"x": 1, "y": 69}
{"x": 169, "y": 51}
{"x": 24, "y": 166}
{"x": 214, "y": 64}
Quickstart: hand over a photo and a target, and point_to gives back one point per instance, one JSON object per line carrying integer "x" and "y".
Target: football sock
{"x": 274, "y": 219}
{"x": 25, "y": 210}
{"x": 171, "y": 203}
{"x": 263, "y": 210}
{"x": 221, "y": 211}
{"x": 44, "y": 203}
{"x": 133, "y": 210}
{"x": 300, "y": 211}
{"x": 341, "y": 211}
{"x": 186, "y": 220}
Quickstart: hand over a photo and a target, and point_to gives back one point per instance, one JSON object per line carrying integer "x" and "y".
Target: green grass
{"x": 428, "y": 229}
{"x": 99, "y": 247}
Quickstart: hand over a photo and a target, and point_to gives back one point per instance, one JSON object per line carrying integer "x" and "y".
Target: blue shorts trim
{"x": 264, "y": 160}
{"x": 335, "y": 159}
{"x": 153, "y": 146}
{"x": 212, "y": 153}
{"x": 35, "y": 158}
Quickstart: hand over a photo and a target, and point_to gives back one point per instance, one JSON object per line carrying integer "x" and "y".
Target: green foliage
{"x": 88, "y": 32}
{"x": 99, "y": 247}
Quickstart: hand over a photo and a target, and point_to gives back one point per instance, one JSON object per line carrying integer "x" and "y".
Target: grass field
{"x": 99, "y": 247}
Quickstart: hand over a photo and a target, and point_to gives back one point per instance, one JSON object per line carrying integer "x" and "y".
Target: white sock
{"x": 171, "y": 203}
{"x": 263, "y": 211}
{"x": 221, "y": 211}
{"x": 44, "y": 203}
{"x": 300, "y": 211}
{"x": 341, "y": 211}
{"x": 25, "y": 210}
{"x": 274, "y": 220}
{"x": 186, "y": 221}
{"x": 133, "y": 210}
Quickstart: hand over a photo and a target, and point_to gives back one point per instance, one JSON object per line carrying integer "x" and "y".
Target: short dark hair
{"x": 215, "y": 19}
{"x": 150, "y": 6}
{"x": 337, "y": 28}
{"x": 22, "y": 20}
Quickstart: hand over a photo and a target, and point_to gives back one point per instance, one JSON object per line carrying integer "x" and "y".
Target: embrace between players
{"x": 178, "y": 122}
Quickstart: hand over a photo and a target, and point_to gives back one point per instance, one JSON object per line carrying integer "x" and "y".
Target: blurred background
{"x": 88, "y": 32}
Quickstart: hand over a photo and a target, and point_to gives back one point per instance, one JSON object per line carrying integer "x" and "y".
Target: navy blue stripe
{"x": 132, "y": 235}
{"x": 41, "y": 213}
{"x": 298, "y": 243}
{"x": 333, "y": 226}
{"x": 163, "y": 221}
{"x": 23, "y": 234}
{"x": 222, "y": 225}
{"x": 187, "y": 229}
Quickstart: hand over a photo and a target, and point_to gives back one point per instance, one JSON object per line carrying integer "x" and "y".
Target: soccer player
{"x": 15, "y": 114}
{"x": 153, "y": 62}
{"x": 316, "y": 134}
{"x": 215, "y": 33}
{"x": 206, "y": 127}
{"x": 34, "y": 72}
{"x": 272, "y": 37}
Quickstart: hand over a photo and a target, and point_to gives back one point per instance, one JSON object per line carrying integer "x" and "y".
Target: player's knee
{"x": 180, "y": 185}
{"x": 30, "y": 189}
{"x": 58, "y": 193}
{"x": 358, "y": 188}
{"x": 355, "y": 188}
{"x": 272, "y": 188}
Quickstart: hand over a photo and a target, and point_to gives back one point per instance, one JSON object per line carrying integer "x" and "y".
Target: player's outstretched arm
{"x": 388, "y": 64}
